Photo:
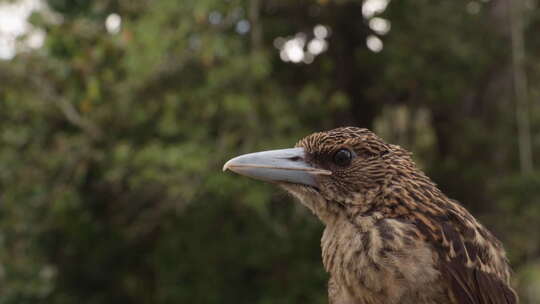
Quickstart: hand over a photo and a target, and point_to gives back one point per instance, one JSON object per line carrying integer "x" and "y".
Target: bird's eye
{"x": 343, "y": 157}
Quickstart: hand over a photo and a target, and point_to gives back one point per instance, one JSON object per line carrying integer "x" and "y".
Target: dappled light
{"x": 371, "y": 8}
{"x": 374, "y": 43}
{"x": 14, "y": 24}
{"x": 215, "y": 17}
{"x": 379, "y": 25}
{"x": 303, "y": 47}
{"x": 243, "y": 26}
{"x": 113, "y": 23}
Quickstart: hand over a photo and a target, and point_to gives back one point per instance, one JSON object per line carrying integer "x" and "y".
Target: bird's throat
{"x": 310, "y": 197}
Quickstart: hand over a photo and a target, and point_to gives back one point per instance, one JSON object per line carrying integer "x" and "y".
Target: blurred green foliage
{"x": 111, "y": 145}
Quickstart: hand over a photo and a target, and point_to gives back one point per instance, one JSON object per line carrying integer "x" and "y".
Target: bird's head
{"x": 341, "y": 167}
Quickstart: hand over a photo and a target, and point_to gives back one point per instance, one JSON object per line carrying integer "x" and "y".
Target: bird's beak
{"x": 286, "y": 165}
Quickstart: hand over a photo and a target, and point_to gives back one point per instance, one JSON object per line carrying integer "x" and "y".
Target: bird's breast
{"x": 375, "y": 261}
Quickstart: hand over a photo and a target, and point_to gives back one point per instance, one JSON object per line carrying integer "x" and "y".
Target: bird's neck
{"x": 411, "y": 190}
{"x": 402, "y": 193}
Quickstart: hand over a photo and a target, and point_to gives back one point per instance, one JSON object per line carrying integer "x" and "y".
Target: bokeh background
{"x": 117, "y": 115}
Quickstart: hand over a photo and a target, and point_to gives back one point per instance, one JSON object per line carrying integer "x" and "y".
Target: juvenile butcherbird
{"x": 391, "y": 236}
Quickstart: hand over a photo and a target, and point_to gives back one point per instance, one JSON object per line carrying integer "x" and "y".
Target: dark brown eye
{"x": 343, "y": 157}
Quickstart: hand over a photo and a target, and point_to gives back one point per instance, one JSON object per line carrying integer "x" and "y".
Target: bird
{"x": 391, "y": 235}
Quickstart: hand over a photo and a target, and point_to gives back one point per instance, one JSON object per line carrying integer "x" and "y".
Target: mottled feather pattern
{"x": 391, "y": 235}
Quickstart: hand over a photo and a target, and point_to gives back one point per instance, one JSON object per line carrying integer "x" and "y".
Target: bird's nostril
{"x": 295, "y": 158}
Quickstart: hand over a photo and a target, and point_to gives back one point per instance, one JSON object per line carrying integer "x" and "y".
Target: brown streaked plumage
{"x": 391, "y": 235}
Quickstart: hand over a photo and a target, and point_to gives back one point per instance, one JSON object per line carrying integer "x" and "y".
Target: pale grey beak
{"x": 286, "y": 165}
